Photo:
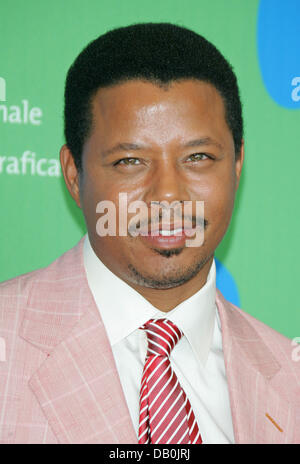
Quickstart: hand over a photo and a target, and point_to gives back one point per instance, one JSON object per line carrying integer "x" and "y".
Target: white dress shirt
{"x": 197, "y": 359}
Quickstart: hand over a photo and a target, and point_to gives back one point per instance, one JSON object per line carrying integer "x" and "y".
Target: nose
{"x": 167, "y": 184}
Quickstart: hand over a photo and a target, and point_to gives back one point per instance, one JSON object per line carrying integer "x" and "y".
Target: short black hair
{"x": 156, "y": 52}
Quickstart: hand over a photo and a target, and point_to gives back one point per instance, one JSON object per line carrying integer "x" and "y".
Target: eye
{"x": 198, "y": 157}
{"x": 127, "y": 162}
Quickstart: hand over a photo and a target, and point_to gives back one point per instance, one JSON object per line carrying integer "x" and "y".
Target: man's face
{"x": 158, "y": 144}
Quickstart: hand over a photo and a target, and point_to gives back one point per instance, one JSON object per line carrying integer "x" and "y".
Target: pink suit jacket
{"x": 59, "y": 382}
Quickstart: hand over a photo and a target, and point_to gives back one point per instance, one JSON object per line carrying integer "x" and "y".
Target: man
{"x": 124, "y": 338}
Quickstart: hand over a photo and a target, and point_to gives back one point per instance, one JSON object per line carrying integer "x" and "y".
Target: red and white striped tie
{"x": 166, "y": 415}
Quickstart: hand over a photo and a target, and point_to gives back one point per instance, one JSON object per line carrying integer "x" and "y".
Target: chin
{"x": 170, "y": 276}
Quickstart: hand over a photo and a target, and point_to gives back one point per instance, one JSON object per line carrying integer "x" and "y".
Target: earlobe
{"x": 70, "y": 173}
{"x": 239, "y": 165}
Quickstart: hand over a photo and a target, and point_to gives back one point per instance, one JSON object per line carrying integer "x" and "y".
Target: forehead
{"x": 159, "y": 113}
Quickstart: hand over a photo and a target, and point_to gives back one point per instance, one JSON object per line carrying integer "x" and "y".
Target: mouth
{"x": 168, "y": 236}
{"x": 171, "y": 232}
{"x": 166, "y": 229}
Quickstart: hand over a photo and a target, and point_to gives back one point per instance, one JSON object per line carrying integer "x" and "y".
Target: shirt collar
{"x": 123, "y": 309}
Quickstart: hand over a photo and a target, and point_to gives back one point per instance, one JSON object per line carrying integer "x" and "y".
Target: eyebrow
{"x": 203, "y": 141}
{"x": 122, "y": 147}
{"x": 135, "y": 147}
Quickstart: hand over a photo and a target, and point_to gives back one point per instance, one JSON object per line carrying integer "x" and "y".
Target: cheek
{"x": 96, "y": 189}
{"x": 218, "y": 194}
{"x": 89, "y": 200}
{"x": 91, "y": 193}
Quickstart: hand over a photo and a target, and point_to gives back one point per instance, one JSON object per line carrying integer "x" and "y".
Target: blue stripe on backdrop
{"x": 226, "y": 284}
{"x": 278, "y": 42}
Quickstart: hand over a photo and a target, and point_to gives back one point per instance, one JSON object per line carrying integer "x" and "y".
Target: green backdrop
{"x": 39, "y": 41}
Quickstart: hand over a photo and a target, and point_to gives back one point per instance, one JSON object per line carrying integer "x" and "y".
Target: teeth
{"x": 168, "y": 233}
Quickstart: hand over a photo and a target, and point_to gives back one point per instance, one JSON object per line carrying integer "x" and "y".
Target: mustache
{"x": 168, "y": 216}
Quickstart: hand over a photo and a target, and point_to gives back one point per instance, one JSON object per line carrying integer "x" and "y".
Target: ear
{"x": 70, "y": 173}
{"x": 239, "y": 164}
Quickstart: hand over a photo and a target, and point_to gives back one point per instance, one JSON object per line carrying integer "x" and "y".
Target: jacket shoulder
{"x": 265, "y": 331}
{"x": 285, "y": 350}
{"x": 14, "y": 293}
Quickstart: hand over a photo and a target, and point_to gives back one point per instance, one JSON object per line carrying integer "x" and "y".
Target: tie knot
{"x": 162, "y": 336}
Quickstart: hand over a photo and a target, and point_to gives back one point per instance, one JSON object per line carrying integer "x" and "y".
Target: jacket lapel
{"x": 260, "y": 414}
{"x": 77, "y": 385}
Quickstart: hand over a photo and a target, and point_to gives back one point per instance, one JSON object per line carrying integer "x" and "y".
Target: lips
{"x": 166, "y": 230}
{"x": 166, "y": 236}
{"x": 169, "y": 233}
